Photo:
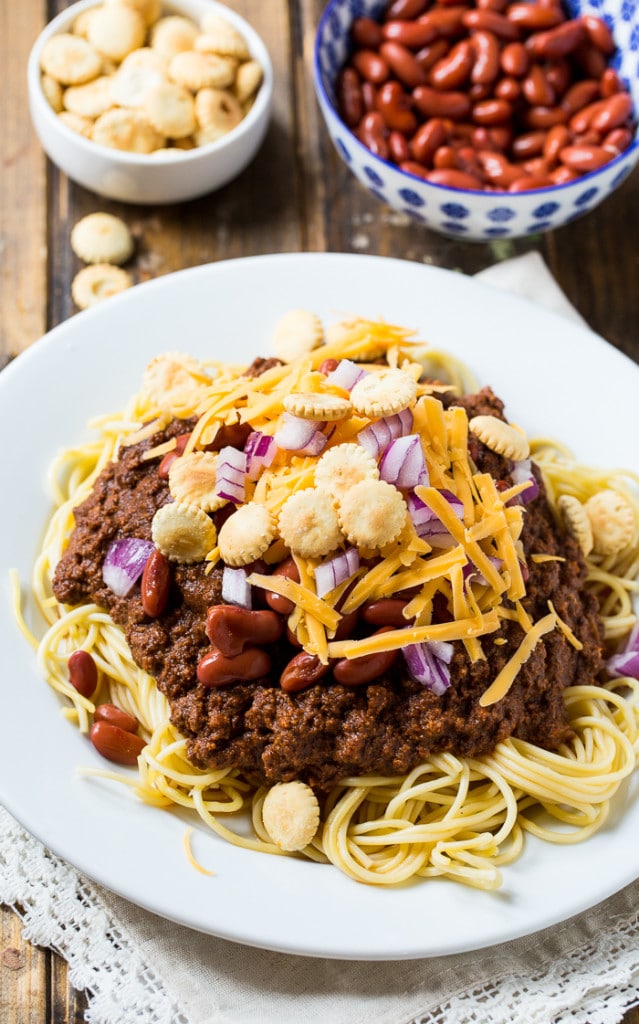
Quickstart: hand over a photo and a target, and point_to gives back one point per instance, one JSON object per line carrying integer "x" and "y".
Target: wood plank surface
{"x": 296, "y": 196}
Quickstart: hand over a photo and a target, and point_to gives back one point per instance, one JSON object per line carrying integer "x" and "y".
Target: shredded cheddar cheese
{"x": 478, "y": 574}
{"x": 502, "y": 683}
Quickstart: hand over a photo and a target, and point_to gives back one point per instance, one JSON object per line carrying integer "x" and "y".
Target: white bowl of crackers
{"x": 147, "y": 102}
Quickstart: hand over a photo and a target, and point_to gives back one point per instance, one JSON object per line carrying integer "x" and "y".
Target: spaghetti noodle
{"x": 459, "y": 817}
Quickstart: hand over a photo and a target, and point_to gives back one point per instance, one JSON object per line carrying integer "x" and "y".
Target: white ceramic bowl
{"x": 473, "y": 215}
{"x": 138, "y": 178}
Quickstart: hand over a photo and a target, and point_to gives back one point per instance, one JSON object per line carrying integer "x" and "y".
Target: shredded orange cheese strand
{"x": 504, "y": 680}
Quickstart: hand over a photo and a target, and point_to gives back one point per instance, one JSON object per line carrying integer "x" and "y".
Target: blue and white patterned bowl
{"x": 477, "y": 216}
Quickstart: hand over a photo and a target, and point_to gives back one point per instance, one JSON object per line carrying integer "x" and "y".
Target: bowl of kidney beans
{"x": 483, "y": 119}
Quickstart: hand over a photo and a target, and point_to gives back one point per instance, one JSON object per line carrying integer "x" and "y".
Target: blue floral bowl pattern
{"x": 477, "y": 216}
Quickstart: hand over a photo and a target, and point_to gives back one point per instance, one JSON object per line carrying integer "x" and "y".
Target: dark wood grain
{"x": 296, "y": 196}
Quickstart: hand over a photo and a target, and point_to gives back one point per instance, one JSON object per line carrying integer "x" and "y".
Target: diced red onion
{"x": 235, "y": 587}
{"x": 427, "y": 668}
{"x": 318, "y": 441}
{"x": 625, "y": 664}
{"x": 472, "y": 573}
{"x": 124, "y": 563}
{"x": 346, "y": 374}
{"x": 295, "y": 434}
{"x": 442, "y": 650}
{"x": 376, "y": 437}
{"x": 336, "y": 570}
{"x": 427, "y": 524}
{"x": 260, "y": 450}
{"x": 626, "y": 661}
{"x": 231, "y": 475}
{"x": 403, "y": 463}
{"x": 522, "y": 472}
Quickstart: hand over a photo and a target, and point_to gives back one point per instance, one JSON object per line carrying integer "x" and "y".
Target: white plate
{"x": 557, "y": 379}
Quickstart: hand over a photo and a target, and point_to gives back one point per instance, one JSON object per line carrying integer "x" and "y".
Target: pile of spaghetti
{"x": 456, "y": 559}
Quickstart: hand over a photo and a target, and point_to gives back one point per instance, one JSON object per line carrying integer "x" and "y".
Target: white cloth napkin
{"x": 140, "y": 969}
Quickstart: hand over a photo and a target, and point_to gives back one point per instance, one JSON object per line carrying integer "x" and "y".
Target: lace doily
{"x": 578, "y": 973}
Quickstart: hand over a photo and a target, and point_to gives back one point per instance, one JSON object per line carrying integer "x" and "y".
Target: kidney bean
{"x": 414, "y": 168}
{"x": 116, "y": 744}
{"x": 406, "y": 9}
{"x": 508, "y": 89}
{"x": 491, "y": 21}
{"x": 534, "y": 17}
{"x": 454, "y": 178}
{"x": 528, "y": 182}
{"x": 432, "y": 103}
{"x": 498, "y": 169}
{"x": 292, "y": 638}
{"x": 411, "y": 34}
{"x": 454, "y": 69}
{"x": 385, "y": 611}
{"x": 427, "y": 139}
{"x": 398, "y": 147}
{"x": 591, "y": 60}
{"x": 428, "y": 56}
{"x": 216, "y": 669}
{"x": 395, "y": 107}
{"x": 479, "y": 91}
{"x": 181, "y": 442}
{"x": 579, "y": 95}
{"x": 492, "y": 5}
{"x": 536, "y": 89}
{"x": 529, "y": 144}
{"x": 514, "y": 60}
{"x": 556, "y": 138}
{"x": 358, "y": 671}
{"x": 544, "y": 117}
{"x": 279, "y": 604}
{"x": 447, "y": 21}
{"x": 618, "y": 140}
{"x": 558, "y": 42}
{"x": 589, "y": 138}
{"x": 404, "y": 64}
{"x": 166, "y": 463}
{"x": 486, "y": 66}
{"x": 372, "y": 132}
{"x": 444, "y": 158}
{"x": 581, "y": 120}
{"x": 116, "y": 716}
{"x": 559, "y": 75}
{"x": 328, "y": 366}
{"x": 83, "y": 673}
{"x": 369, "y": 96}
{"x": 489, "y": 112}
{"x": 230, "y": 628}
{"x": 371, "y": 66}
{"x": 610, "y": 83}
{"x": 467, "y": 161}
{"x": 598, "y": 33}
{"x": 155, "y": 585}
{"x": 349, "y": 97}
{"x": 366, "y": 33}
{"x": 233, "y": 434}
{"x": 302, "y": 671}
{"x": 562, "y": 175}
{"x": 584, "y": 158}
{"x": 536, "y": 166}
{"x": 615, "y": 111}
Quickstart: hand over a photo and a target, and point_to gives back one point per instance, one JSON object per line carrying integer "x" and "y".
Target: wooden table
{"x": 296, "y": 196}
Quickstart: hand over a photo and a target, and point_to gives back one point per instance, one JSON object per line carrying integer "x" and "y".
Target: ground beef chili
{"x": 330, "y": 731}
